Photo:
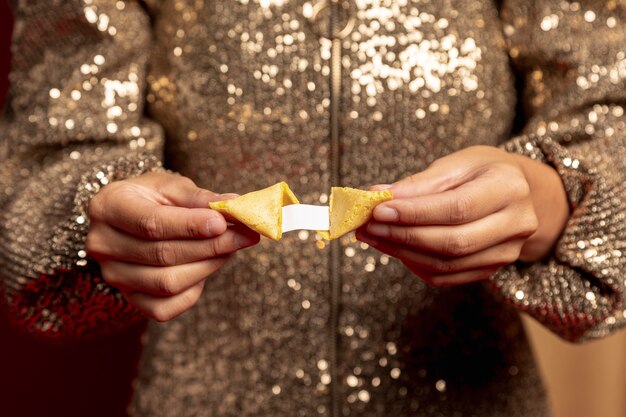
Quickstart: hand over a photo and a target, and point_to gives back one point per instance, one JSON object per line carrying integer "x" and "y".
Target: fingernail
{"x": 215, "y": 226}
{"x": 380, "y": 187}
{"x": 227, "y": 196}
{"x": 378, "y": 229}
{"x": 385, "y": 214}
{"x": 243, "y": 241}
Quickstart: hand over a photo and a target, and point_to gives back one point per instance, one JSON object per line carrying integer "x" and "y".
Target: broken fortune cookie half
{"x": 350, "y": 208}
{"x": 260, "y": 210}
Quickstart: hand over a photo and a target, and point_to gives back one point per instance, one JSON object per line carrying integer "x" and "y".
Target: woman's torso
{"x": 249, "y": 94}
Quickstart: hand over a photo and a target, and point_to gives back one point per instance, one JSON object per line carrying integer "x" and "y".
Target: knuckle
{"x": 532, "y": 224}
{"x": 164, "y": 253}
{"x": 166, "y": 284}
{"x": 95, "y": 244}
{"x": 405, "y": 235}
{"x": 91, "y": 245}
{"x": 222, "y": 245}
{"x": 192, "y": 297}
{"x": 197, "y": 193}
{"x": 95, "y": 209}
{"x": 519, "y": 186}
{"x": 408, "y": 213}
{"x": 528, "y": 224}
{"x": 460, "y": 210}
{"x": 457, "y": 244}
{"x": 109, "y": 276}
{"x": 213, "y": 247}
{"x": 218, "y": 264}
{"x": 181, "y": 182}
{"x": 511, "y": 254}
{"x": 192, "y": 228}
{"x": 437, "y": 281}
{"x": 160, "y": 313}
{"x": 186, "y": 182}
{"x": 400, "y": 233}
{"x": 150, "y": 225}
{"x": 444, "y": 266}
{"x": 485, "y": 274}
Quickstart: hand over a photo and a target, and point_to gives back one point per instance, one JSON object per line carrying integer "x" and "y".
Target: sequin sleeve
{"x": 73, "y": 123}
{"x": 572, "y": 59}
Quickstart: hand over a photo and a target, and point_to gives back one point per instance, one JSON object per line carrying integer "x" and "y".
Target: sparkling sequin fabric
{"x": 241, "y": 94}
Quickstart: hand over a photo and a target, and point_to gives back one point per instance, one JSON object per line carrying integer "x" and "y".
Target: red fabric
{"x": 92, "y": 378}
{"x": 36, "y": 379}
{"x": 66, "y": 318}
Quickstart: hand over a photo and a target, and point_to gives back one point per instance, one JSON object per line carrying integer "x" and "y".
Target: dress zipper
{"x": 335, "y": 249}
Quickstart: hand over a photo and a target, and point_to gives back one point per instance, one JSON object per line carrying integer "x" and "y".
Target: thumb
{"x": 225, "y": 196}
{"x": 183, "y": 192}
{"x": 200, "y": 198}
{"x": 434, "y": 179}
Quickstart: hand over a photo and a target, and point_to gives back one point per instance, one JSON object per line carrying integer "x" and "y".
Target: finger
{"x": 459, "y": 240}
{"x": 449, "y": 172}
{"x": 104, "y": 242}
{"x": 148, "y": 219}
{"x": 183, "y": 192}
{"x": 468, "y": 202}
{"x": 493, "y": 257}
{"x": 459, "y": 278}
{"x": 439, "y": 176}
{"x": 161, "y": 281}
{"x": 380, "y": 187}
{"x": 165, "y": 308}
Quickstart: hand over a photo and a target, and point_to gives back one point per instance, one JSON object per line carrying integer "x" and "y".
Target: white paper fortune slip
{"x": 305, "y": 217}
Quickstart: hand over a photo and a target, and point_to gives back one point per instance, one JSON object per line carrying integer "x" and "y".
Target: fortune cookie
{"x": 351, "y": 208}
{"x": 260, "y": 210}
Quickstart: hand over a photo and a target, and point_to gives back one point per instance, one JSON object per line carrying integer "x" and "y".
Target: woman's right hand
{"x": 157, "y": 240}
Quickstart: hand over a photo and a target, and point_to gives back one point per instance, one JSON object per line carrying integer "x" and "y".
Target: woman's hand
{"x": 157, "y": 241}
{"x": 469, "y": 214}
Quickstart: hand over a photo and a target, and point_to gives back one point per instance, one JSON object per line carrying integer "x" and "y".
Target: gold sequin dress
{"x": 241, "y": 94}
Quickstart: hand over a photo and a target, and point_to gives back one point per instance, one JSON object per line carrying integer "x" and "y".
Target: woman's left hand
{"x": 470, "y": 213}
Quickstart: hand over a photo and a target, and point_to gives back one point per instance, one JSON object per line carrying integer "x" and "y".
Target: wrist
{"x": 551, "y": 207}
